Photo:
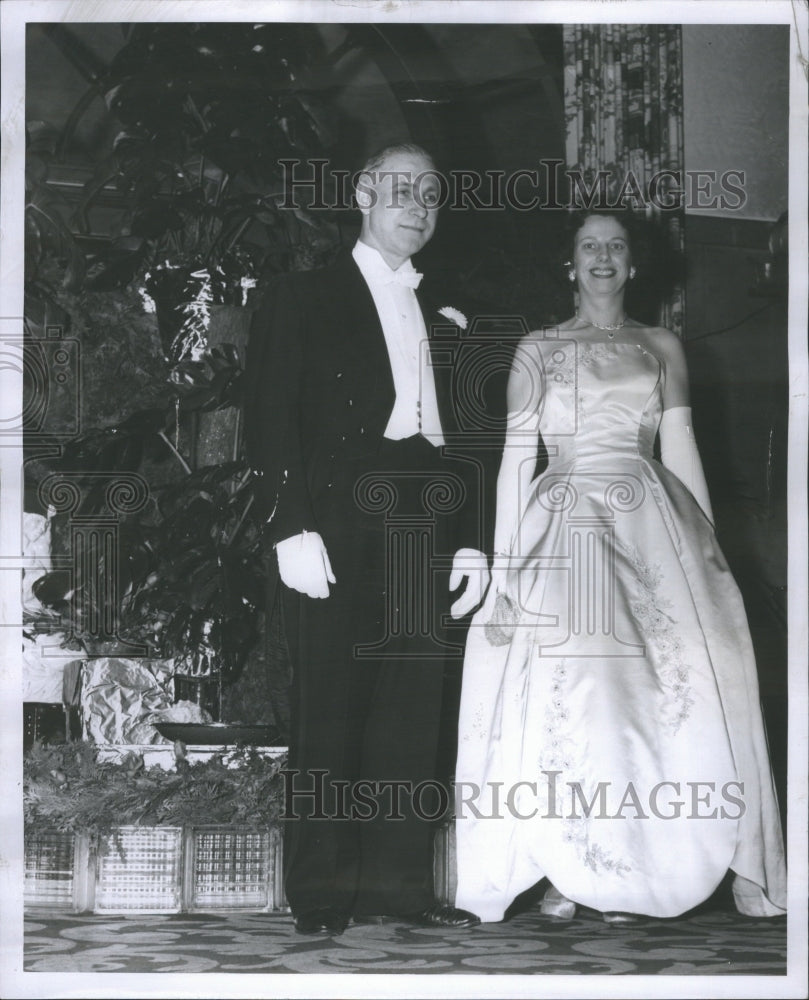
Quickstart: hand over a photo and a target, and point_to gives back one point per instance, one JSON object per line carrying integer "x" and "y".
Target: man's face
{"x": 399, "y": 206}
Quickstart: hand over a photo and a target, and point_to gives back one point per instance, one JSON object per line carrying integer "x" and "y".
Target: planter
{"x": 235, "y": 869}
{"x": 156, "y": 870}
{"x": 52, "y": 864}
{"x": 138, "y": 870}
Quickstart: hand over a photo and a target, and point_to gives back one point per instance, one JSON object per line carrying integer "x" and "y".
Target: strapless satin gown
{"x": 611, "y": 737}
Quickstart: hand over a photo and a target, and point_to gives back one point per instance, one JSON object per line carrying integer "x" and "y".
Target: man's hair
{"x": 377, "y": 159}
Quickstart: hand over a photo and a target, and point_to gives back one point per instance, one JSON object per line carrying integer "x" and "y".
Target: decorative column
{"x": 412, "y": 560}
{"x": 94, "y": 560}
{"x": 624, "y": 117}
{"x": 589, "y": 559}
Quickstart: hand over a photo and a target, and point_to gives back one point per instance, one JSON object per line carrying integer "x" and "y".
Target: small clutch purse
{"x": 500, "y": 628}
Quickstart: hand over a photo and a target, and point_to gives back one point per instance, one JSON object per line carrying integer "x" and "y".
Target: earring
{"x": 571, "y": 275}
{"x": 632, "y": 272}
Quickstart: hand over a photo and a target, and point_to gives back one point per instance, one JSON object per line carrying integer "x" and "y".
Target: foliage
{"x": 193, "y": 200}
{"x": 119, "y": 358}
{"x": 208, "y": 110}
{"x": 66, "y": 788}
{"x": 48, "y": 233}
{"x": 191, "y": 578}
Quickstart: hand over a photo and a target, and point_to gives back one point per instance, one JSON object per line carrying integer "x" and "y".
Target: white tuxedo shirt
{"x": 416, "y": 408}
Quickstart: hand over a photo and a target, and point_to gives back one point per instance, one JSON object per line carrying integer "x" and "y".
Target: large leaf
{"x": 104, "y": 173}
{"x": 54, "y": 588}
{"x": 49, "y": 211}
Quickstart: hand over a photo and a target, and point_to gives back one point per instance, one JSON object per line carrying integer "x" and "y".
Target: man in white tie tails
{"x": 373, "y": 525}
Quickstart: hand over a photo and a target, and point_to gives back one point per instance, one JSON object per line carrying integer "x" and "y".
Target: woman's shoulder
{"x": 662, "y": 341}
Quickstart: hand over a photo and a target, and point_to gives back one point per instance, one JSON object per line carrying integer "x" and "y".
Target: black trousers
{"x": 369, "y": 668}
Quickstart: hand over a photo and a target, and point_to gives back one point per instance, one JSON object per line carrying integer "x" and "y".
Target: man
{"x": 345, "y": 424}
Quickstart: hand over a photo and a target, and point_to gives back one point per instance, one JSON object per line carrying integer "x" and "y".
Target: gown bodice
{"x": 600, "y": 401}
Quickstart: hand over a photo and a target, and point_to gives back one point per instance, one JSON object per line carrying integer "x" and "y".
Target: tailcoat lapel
{"x": 443, "y": 350}
{"x": 363, "y": 344}
{"x": 363, "y": 339}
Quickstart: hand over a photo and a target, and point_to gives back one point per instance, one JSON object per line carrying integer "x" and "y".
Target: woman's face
{"x": 601, "y": 255}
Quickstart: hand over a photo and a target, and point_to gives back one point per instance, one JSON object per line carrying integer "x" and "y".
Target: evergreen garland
{"x": 66, "y": 788}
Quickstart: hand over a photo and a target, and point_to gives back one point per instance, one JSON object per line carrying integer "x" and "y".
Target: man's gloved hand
{"x": 303, "y": 563}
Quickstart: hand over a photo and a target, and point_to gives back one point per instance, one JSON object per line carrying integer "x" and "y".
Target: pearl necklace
{"x": 611, "y": 328}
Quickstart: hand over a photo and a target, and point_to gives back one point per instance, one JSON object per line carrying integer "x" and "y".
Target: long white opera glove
{"x": 679, "y": 454}
{"x": 303, "y": 563}
{"x": 474, "y": 566}
{"x": 513, "y": 481}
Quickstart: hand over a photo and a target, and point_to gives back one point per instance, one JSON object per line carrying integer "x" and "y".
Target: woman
{"x": 611, "y": 737}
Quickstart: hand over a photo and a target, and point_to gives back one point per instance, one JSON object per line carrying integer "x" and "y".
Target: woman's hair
{"x": 659, "y": 264}
{"x": 633, "y": 226}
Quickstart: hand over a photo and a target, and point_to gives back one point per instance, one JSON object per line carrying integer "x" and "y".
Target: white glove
{"x": 303, "y": 563}
{"x": 474, "y": 566}
{"x": 679, "y": 454}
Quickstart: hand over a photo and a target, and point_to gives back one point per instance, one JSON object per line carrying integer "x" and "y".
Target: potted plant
{"x": 206, "y": 111}
{"x": 189, "y": 570}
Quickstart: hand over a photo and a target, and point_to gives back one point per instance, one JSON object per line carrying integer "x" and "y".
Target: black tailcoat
{"x": 319, "y": 395}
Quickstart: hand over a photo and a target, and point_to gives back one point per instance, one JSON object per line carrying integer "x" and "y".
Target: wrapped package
{"x": 120, "y": 697}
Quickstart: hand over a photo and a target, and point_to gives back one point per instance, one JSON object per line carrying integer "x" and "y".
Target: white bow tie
{"x": 411, "y": 279}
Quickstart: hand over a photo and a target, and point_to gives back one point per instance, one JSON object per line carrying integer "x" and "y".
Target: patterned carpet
{"x": 712, "y": 940}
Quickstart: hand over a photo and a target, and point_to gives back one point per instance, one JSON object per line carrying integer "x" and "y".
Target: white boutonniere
{"x": 455, "y": 315}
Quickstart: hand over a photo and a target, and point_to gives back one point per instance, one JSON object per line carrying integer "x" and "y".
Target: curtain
{"x": 623, "y": 113}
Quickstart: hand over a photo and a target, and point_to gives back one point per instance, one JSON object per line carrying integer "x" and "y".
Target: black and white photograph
{"x": 403, "y": 454}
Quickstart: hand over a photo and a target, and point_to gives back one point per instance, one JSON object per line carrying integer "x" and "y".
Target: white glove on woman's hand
{"x": 303, "y": 563}
{"x": 679, "y": 454}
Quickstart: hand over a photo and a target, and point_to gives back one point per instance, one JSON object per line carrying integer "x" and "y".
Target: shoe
{"x": 554, "y": 904}
{"x": 321, "y": 921}
{"x": 619, "y": 917}
{"x": 437, "y": 915}
{"x": 440, "y": 915}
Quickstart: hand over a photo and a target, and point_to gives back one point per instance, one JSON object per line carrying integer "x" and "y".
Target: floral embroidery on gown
{"x": 615, "y": 733}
